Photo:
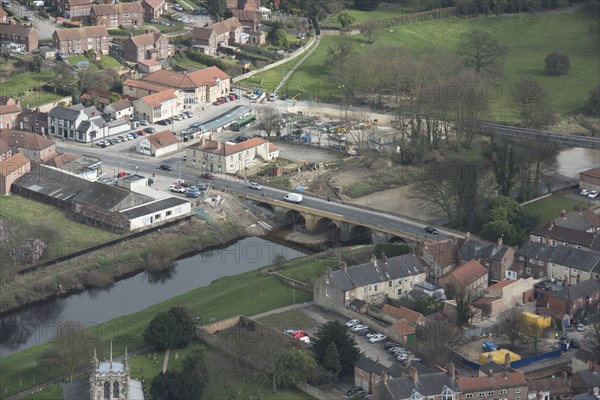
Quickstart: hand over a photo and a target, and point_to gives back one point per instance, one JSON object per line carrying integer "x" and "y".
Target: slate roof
{"x": 25, "y": 139}
{"x": 69, "y": 114}
{"x": 118, "y": 106}
{"x": 443, "y": 253}
{"x": 556, "y": 386}
{"x": 107, "y": 197}
{"x": 484, "y": 383}
{"x": 397, "y": 371}
{"x": 153, "y": 207}
{"x": 490, "y": 365}
{"x": 582, "y": 381}
{"x": 576, "y": 227}
{"x": 470, "y": 250}
{"x": 368, "y": 365}
{"x": 202, "y": 32}
{"x": 586, "y": 355}
{"x": 577, "y": 291}
{"x": 494, "y": 252}
{"x": 427, "y": 385}
{"x": 84, "y": 126}
{"x": 561, "y": 255}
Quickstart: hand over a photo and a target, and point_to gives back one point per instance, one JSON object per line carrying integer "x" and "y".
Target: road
{"x": 45, "y": 27}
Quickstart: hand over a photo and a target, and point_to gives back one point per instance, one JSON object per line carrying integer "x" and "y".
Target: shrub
{"x": 557, "y": 64}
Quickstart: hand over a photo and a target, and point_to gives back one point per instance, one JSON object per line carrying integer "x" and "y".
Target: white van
{"x": 293, "y": 198}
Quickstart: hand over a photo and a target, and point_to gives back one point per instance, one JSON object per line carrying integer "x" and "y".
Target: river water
{"x": 38, "y": 323}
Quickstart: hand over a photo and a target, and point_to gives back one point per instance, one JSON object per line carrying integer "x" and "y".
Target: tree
{"x": 294, "y": 366}
{"x": 334, "y": 332}
{"x": 270, "y": 120}
{"x": 510, "y": 325}
{"x": 331, "y": 361}
{"x": 217, "y": 7}
{"x": 279, "y": 38}
{"x": 36, "y": 63}
{"x": 481, "y": 51}
{"x": 557, "y": 64}
{"x": 368, "y": 29}
{"x": 593, "y": 333}
{"x": 502, "y": 160}
{"x": 436, "y": 340}
{"x": 72, "y": 350}
{"x": 592, "y": 104}
{"x": 366, "y": 5}
{"x": 532, "y": 103}
{"x": 187, "y": 384}
{"x": 170, "y": 329}
{"x": 346, "y": 19}
{"x": 534, "y": 333}
{"x": 464, "y": 306}
{"x": 507, "y": 219}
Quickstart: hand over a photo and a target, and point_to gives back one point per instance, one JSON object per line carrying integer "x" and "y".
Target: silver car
{"x": 255, "y": 186}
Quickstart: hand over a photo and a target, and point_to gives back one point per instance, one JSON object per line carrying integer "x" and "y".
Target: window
{"x": 566, "y": 244}
{"x": 528, "y": 270}
{"x": 502, "y": 391}
{"x": 375, "y": 287}
{"x": 541, "y": 240}
{"x": 481, "y": 394}
{"x": 518, "y": 390}
{"x": 157, "y": 216}
{"x": 490, "y": 393}
{"x": 553, "y": 242}
{"x": 326, "y": 292}
{"x": 411, "y": 285}
{"x": 469, "y": 395}
{"x": 370, "y": 288}
{"x": 566, "y": 269}
{"x": 390, "y": 284}
{"x": 416, "y": 278}
{"x": 168, "y": 213}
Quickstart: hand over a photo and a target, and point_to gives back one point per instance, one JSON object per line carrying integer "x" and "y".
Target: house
{"x": 157, "y": 212}
{"x": 556, "y": 387}
{"x": 36, "y": 148}
{"x": 257, "y": 38}
{"x": 158, "y": 144}
{"x": 426, "y": 290}
{"x": 590, "y": 179}
{"x": 118, "y": 15}
{"x": 372, "y": 282}
{"x": 158, "y": 106}
{"x": 26, "y": 37}
{"x": 96, "y": 97}
{"x": 202, "y": 86}
{"x": 469, "y": 249}
{"x": 491, "y": 368}
{"x": 122, "y": 109}
{"x": 242, "y": 5}
{"x": 435, "y": 386}
{"x": 74, "y": 9}
{"x": 273, "y": 152}
{"x": 9, "y": 114}
{"x": 80, "y": 40}
{"x": 560, "y": 263}
{"x": 470, "y": 276}
{"x": 504, "y": 295}
{"x": 214, "y": 156}
{"x": 265, "y": 13}
{"x": 509, "y": 385}
{"x": 12, "y": 169}
{"x": 367, "y": 373}
{"x": 584, "y": 359}
{"x": 578, "y": 229}
{"x": 6, "y": 151}
{"x": 441, "y": 257}
{"x": 404, "y": 331}
{"x": 79, "y": 123}
{"x": 154, "y": 9}
{"x": 249, "y": 19}
{"x": 403, "y": 313}
{"x": 575, "y": 300}
{"x": 497, "y": 258}
{"x": 586, "y": 381}
{"x": 3, "y": 16}
{"x": 33, "y": 121}
{"x": 149, "y": 66}
{"x": 148, "y": 46}
{"x": 222, "y": 34}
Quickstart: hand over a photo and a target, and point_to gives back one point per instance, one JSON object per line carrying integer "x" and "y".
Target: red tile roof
{"x": 156, "y": 99}
{"x": 143, "y": 85}
{"x": 203, "y": 77}
{"x": 25, "y": 139}
{"x": 272, "y": 148}
{"x": 498, "y": 381}
{"x": 594, "y": 173}
{"x": 149, "y": 63}
{"x": 404, "y": 313}
{"x": 404, "y": 327}
{"x": 81, "y": 33}
{"x": 502, "y": 284}
{"x": 110, "y": 9}
{"x": 163, "y": 139}
{"x": 11, "y": 164}
{"x": 469, "y": 272}
{"x": 13, "y": 108}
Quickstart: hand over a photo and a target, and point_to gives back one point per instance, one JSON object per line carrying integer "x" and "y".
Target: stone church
{"x": 109, "y": 380}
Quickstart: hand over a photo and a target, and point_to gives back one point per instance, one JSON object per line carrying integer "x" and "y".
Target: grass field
{"x": 385, "y": 11}
{"x": 248, "y": 294}
{"x": 28, "y": 87}
{"x": 109, "y": 62}
{"x": 549, "y": 208}
{"x": 29, "y": 214}
{"x": 529, "y": 42}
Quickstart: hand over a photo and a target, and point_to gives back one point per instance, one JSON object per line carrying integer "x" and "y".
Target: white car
{"x": 377, "y": 338}
{"x": 372, "y": 333}
{"x": 580, "y": 327}
{"x": 272, "y": 97}
{"x": 255, "y": 186}
{"x": 593, "y": 194}
{"x": 102, "y": 143}
{"x": 584, "y": 192}
{"x": 352, "y": 322}
{"x": 358, "y": 327}
{"x": 306, "y": 339}
{"x": 402, "y": 357}
{"x": 176, "y": 117}
{"x": 177, "y": 189}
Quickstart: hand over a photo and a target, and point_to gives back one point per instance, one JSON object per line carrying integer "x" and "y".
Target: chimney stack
{"x": 563, "y": 214}
{"x": 491, "y": 373}
{"x": 414, "y": 374}
{"x": 344, "y": 266}
{"x": 500, "y": 241}
{"x": 489, "y": 357}
{"x": 563, "y": 374}
{"x": 467, "y": 236}
{"x": 383, "y": 258}
{"x": 374, "y": 260}
{"x": 452, "y": 370}
{"x": 384, "y": 377}
{"x": 507, "y": 361}
{"x": 551, "y": 225}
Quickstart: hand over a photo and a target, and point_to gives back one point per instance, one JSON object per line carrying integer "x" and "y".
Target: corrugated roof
{"x": 155, "y": 206}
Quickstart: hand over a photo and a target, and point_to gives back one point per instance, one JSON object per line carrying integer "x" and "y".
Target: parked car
{"x": 272, "y": 97}
{"x": 402, "y": 357}
{"x": 255, "y": 186}
{"x": 298, "y": 334}
{"x": 177, "y": 188}
{"x": 192, "y": 193}
{"x": 306, "y": 339}
{"x": 166, "y": 167}
{"x": 197, "y": 12}
{"x": 178, "y": 7}
{"x": 234, "y": 95}
{"x": 430, "y": 229}
{"x": 580, "y": 327}
{"x": 352, "y": 322}
{"x": 149, "y": 130}
{"x": 102, "y": 143}
{"x": 358, "y": 327}
{"x": 163, "y": 122}
{"x": 584, "y": 192}
{"x": 134, "y": 135}
{"x": 377, "y": 338}
{"x": 389, "y": 345}
{"x": 288, "y": 332}
{"x": 122, "y": 174}
{"x": 575, "y": 343}
{"x": 593, "y": 194}
{"x": 371, "y": 334}
{"x": 208, "y": 176}
{"x": 355, "y": 391}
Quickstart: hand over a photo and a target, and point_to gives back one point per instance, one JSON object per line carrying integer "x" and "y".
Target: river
{"x": 36, "y": 323}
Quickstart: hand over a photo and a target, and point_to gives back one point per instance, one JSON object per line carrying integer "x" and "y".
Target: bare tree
{"x": 270, "y": 121}
{"x": 369, "y": 30}
{"x": 534, "y": 333}
{"x": 481, "y": 51}
{"x": 436, "y": 340}
{"x": 532, "y": 102}
{"x": 593, "y": 334}
{"x": 465, "y": 312}
{"x": 359, "y": 135}
{"x": 511, "y": 325}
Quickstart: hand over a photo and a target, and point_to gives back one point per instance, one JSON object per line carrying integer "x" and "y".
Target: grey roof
{"x": 577, "y": 291}
{"x": 84, "y": 126}
{"x": 69, "y": 114}
{"x": 225, "y": 118}
{"x": 426, "y": 385}
{"x": 385, "y": 270}
{"x": 494, "y": 252}
{"x": 585, "y": 379}
{"x": 496, "y": 368}
{"x": 153, "y": 207}
{"x": 561, "y": 255}
{"x": 368, "y": 365}
{"x": 118, "y": 106}
{"x": 52, "y": 182}
{"x": 397, "y": 371}
{"x": 585, "y": 355}
{"x": 107, "y": 197}
{"x": 470, "y": 250}
{"x": 76, "y": 390}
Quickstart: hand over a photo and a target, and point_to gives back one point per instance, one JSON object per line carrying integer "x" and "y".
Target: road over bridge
{"x": 562, "y": 139}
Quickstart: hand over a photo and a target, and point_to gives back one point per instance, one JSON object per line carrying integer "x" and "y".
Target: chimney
{"x": 452, "y": 370}
{"x": 384, "y": 377}
{"x": 563, "y": 214}
{"x": 219, "y": 145}
{"x": 551, "y": 225}
{"x": 491, "y": 373}
{"x": 539, "y": 395}
{"x": 414, "y": 374}
{"x": 563, "y": 374}
{"x": 344, "y": 266}
{"x": 548, "y": 242}
{"x": 500, "y": 241}
{"x": 578, "y": 278}
{"x": 577, "y": 208}
{"x": 383, "y": 258}
{"x": 590, "y": 365}
{"x": 507, "y": 361}
{"x": 489, "y": 357}
{"x": 329, "y": 271}
{"x": 467, "y": 236}
{"x": 374, "y": 260}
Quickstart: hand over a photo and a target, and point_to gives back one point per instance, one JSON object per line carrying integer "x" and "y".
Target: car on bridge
{"x": 431, "y": 230}
{"x": 255, "y": 186}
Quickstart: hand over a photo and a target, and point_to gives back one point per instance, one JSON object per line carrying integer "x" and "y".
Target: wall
{"x": 314, "y": 392}
{"x": 67, "y": 101}
{"x": 292, "y": 282}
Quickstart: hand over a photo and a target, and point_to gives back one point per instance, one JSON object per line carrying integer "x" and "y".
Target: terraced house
{"x": 25, "y": 37}
{"x": 148, "y": 46}
{"x": 74, "y": 9}
{"x": 117, "y": 15}
{"x": 80, "y": 40}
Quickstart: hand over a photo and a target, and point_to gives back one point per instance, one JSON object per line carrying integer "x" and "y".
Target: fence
{"x": 515, "y": 364}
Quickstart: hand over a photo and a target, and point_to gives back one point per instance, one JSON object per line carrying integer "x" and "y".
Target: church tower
{"x": 109, "y": 380}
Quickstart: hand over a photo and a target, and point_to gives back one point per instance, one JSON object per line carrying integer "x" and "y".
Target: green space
{"x": 566, "y": 33}
{"x": 248, "y": 293}
{"x": 293, "y": 319}
{"x": 308, "y": 271}
{"x": 271, "y": 77}
{"x": 384, "y": 11}
{"x": 109, "y": 62}
{"x": 167, "y": 29}
{"x": 550, "y": 207}
{"x": 27, "y": 88}
{"x": 182, "y": 60}
{"x": 31, "y": 215}
{"x": 126, "y": 32}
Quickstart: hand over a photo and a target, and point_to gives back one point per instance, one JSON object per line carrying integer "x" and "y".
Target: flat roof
{"x": 153, "y": 207}
{"x": 225, "y": 118}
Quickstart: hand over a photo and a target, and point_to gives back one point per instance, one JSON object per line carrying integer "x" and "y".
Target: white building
{"x": 82, "y": 124}
{"x": 159, "y": 144}
{"x": 158, "y": 106}
{"x": 156, "y": 212}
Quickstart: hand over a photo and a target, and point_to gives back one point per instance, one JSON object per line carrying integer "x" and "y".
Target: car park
{"x": 431, "y": 230}
{"x": 593, "y": 194}
{"x": 584, "y": 192}
{"x": 272, "y": 97}
{"x": 201, "y": 186}
{"x": 371, "y": 334}
{"x": 255, "y": 186}
{"x": 208, "y": 176}
{"x": 363, "y": 332}
{"x": 176, "y": 118}
{"x": 352, "y": 322}
{"x": 102, "y": 143}
{"x": 402, "y": 357}
{"x": 166, "y": 167}
{"x": 114, "y": 141}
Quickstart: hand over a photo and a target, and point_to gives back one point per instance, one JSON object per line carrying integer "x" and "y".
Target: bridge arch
{"x": 293, "y": 217}
{"x": 359, "y": 233}
{"x": 396, "y": 239}
{"x": 266, "y": 206}
{"x": 325, "y": 224}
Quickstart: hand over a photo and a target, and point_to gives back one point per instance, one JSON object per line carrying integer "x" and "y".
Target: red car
{"x": 121, "y": 174}
{"x": 141, "y": 133}
{"x": 298, "y": 334}
{"x": 232, "y": 97}
{"x": 208, "y": 176}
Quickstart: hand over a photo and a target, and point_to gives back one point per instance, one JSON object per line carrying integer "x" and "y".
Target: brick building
{"x": 80, "y": 40}
{"x": 148, "y": 46}
{"x": 26, "y": 37}
{"x": 118, "y": 15}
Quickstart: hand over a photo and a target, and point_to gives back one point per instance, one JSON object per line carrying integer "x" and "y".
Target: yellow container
{"x": 498, "y": 356}
{"x": 543, "y": 322}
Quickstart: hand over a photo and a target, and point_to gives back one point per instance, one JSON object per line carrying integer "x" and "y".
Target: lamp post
{"x": 294, "y": 293}
{"x": 342, "y": 103}
{"x": 34, "y": 365}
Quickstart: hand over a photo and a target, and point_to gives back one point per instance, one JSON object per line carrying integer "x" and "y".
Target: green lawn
{"x": 184, "y": 62}
{"x": 28, "y": 87}
{"x": 293, "y": 319}
{"x": 29, "y": 214}
{"x": 384, "y": 11}
{"x": 308, "y": 272}
{"x": 248, "y": 294}
{"x": 549, "y": 208}
{"x": 109, "y": 62}
{"x": 270, "y": 78}
{"x": 529, "y": 42}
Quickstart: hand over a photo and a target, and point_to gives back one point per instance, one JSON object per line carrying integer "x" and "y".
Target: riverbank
{"x": 153, "y": 252}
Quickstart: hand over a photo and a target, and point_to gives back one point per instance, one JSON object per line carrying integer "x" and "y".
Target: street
{"x": 45, "y": 27}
